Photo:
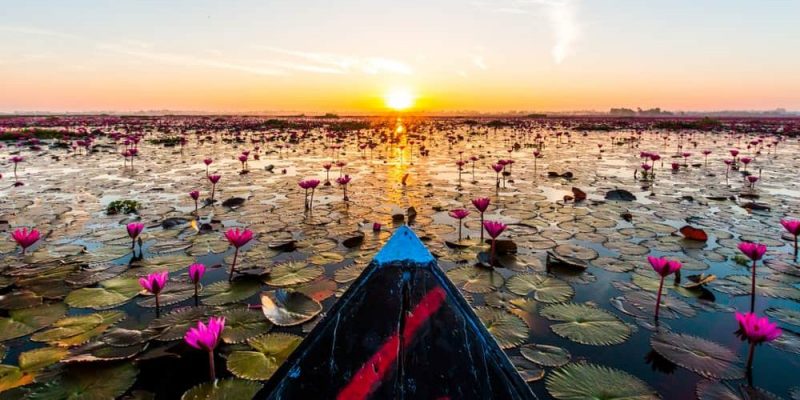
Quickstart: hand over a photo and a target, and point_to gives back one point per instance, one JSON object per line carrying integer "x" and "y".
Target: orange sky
{"x": 492, "y": 56}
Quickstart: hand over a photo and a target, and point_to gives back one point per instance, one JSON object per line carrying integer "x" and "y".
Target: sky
{"x": 318, "y": 56}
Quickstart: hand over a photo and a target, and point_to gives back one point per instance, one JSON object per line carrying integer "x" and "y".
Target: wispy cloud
{"x": 563, "y": 17}
{"x": 186, "y": 59}
{"x": 335, "y": 63}
{"x": 479, "y": 62}
{"x": 29, "y": 30}
{"x": 561, "y": 14}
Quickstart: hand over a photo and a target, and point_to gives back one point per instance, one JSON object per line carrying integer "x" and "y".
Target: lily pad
{"x": 473, "y": 279}
{"x": 111, "y": 293}
{"x": 87, "y": 382}
{"x": 288, "y": 308}
{"x": 702, "y": 356}
{"x": 242, "y": 324}
{"x": 271, "y": 350}
{"x": 224, "y": 292}
{"x": 544, "y": 355}
{"x": 292, "y": 273}
{"x": 223, "y": 389}
{"x": 36, "y": 359}
{"x": 586, "y": 381}
{"x": 586, "y": 324}
{"x": 544, "y": 288}
{"x": 508, "y": 330}
{"x": 28, "y": 320}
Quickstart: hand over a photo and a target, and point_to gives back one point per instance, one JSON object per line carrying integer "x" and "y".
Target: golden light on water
{"x": 399, "y": 99}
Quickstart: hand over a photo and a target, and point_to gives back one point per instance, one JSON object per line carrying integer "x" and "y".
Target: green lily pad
{"x": 37, "y": 359}
{"x": 271, "y": 351}
{"x": 223, "y": 389}
{"x": 110, "y": 294}
{"x": 586, "y": 324}
{"x": 545, "y": 289}
{"x": 585, "y": 381}
{"x": 242, "y": 324}
{"x": 474, "y": 279}
{"x": 508, "y": 330}
{"x": 174, "y": 292}
{"x": 20, "y": 299}
{"x": 786, "y": 315}
{"x": 292, "y": 273}
{"x": 29, "y": 320}
{"x": 175, "y": 324}
{"x": 224, "y": 292}
{"x": 12, "y": 377}
{"x": 88, "y": 383}
{"x": 76, "y": 330}
{"x": 544, "y": 355}
{"x": 699, "y": 355}
{"x": 289, "y": 308}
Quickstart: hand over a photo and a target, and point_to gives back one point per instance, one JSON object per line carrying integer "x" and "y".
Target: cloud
{"x": 335, "y": 63}
{"x": 563, "y": 17}
{"x": 479, "y": 62}
{"x": 188, "y": 60}
{"x": 29, "y": 30}
{"x": 561, "y": 14}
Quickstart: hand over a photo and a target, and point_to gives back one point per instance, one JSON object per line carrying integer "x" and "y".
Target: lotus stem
{"x": 233, "y": 266}
{"x": 658, "y": 296}
{"x": 211, "y": 370}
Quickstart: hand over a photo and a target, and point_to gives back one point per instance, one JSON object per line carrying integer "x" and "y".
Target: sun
{"x": 399, "y": 99}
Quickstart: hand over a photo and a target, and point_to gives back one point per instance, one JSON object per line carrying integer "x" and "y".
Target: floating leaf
{"x": 590, "y": 381}
{"x": 271, "y": 351}
{"x": 702, "y": 356}
{"x": 544, "y": 355}
{"x": 292, "y": 273}
{"x": 175, "y": 324}
{"x": 88, "y": 383}
{"x": 76, "y": 330}
{"x": 37, "y": 359}
{"x": 715, "y": 390}
{"x": 174, "y": 293}
{"x": 20, "y": 299}
{"x": 110, "y": 294}
{"x": 28, "y": 320}
{"x": 786, "y": 315}
{"x": 242, "y": 324}
{"x": 544, "y": 288}
{"x": 508, "y": 329}
{"x": 473, "y": 279}
{"x": 224, "y": 292}
{"x": 12, "y": 377}
{"x": 585, "y": 324}
{"x": 223, "y": 389}
{"x": 288, "y": 308}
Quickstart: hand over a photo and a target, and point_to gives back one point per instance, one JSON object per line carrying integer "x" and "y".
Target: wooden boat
{"x": 401, "y": 331}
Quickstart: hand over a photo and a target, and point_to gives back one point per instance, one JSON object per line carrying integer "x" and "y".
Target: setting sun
{"x": 399, "y": 99}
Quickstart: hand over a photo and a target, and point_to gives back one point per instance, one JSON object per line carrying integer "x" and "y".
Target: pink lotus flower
{"x": 154, "y": 283}
{"x": 213, "y": 179}
{"x": 196, "y": 272}
{"x": 376, "y": 226}
{"x": 25, "y": 238}
{"x": 206, "y": 337}
{"x": 734, "y": 153}
{"x": 343, "y": 181}
{"x": 195, "y": 194}
{"x": 237, "y": 238}
{"x": 676, "y": 166}
{"x": 793, "y": 227}
{"x": 753, "y": 251}
{"x": 459, "y": 214}
{"x": 481, "y": 203}
{"x": 494, "y": 229}
{"x": 646, "y": 167}
{"x": 664, "y": 268}
{"x": 134, "y": 229}
{"x": 756, "y": 331}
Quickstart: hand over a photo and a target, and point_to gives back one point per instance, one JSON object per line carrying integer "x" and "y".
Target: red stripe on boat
{"x": 373, "y": 371}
